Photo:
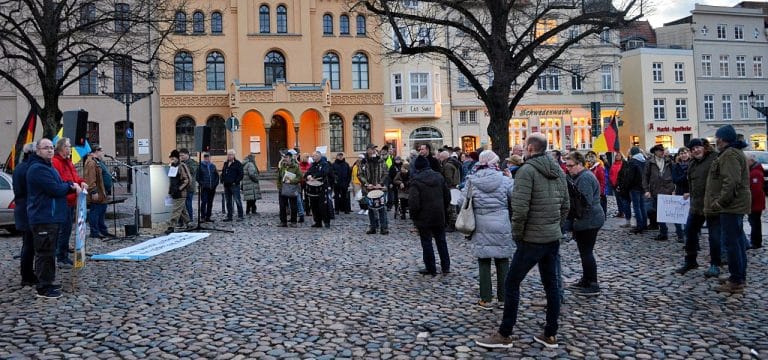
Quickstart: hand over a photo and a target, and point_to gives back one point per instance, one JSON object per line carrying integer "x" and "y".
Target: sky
{"x": 670, "y": 10}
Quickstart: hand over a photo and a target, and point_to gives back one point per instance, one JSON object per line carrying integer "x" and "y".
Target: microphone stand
{"x": 135, "y": 169}
{"x": 199, "y": 200}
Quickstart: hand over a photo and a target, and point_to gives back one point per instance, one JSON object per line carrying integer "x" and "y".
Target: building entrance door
{"x": 278, "y": 140}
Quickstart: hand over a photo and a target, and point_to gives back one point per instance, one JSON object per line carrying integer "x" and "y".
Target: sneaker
{"x": 495, "y": 341}
{"x": 730, "y": 287}
{"x": 361, "y": 212}
{"x": 366, "y": 212}
{"x": 427, "y": 272}
{"x": 49, "y": 293}
{"x": 371, "y": 231}
{"x": 549, "y": 342}
{"x": 685, "y": 268}
{"x": 591, "y": 290}
{"x": 485, "y": 305}
{"x": 578, "y": 284}
{"x": 713, "y": 271}
{"x": 384, "y": 232}
{"x": 301, "y": 218}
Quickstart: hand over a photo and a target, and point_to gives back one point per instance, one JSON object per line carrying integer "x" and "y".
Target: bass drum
{"x": 375, "y": 199}
{"x": 315, "y": 188}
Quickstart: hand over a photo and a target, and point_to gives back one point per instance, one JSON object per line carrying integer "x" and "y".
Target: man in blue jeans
{"x": 192, "y": 165}
{"x": 634, "y": 183}
{"x": 540, "y": 206}
{"x": 231, "y": 175}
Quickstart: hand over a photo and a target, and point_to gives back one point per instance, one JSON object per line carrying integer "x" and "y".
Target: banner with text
{"x": 152, "y": 247}
{"x": 672, "y": 209}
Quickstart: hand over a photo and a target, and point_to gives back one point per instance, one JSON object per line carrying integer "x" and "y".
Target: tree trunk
{"x": 498, "y": 128}
{"x": 50, "y": 115}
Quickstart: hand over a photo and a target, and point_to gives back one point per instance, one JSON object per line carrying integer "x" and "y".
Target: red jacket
{"x": 756, "y": 181}
{"x": 599, "y": 172}
{"x": 67, "y": 171}
{"x": 614, "y": 174}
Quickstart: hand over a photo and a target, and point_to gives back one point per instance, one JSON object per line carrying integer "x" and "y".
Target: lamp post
{"x": 761, "y": 109}
{"x": 126, "y": 99}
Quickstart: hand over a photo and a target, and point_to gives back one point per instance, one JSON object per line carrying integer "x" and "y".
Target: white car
{"x": 6, "y": 202}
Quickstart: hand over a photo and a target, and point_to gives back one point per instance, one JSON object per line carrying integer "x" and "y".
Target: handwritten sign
{"x": 672, "y": 209}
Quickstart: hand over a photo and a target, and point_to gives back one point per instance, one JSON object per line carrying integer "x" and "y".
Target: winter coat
{"x": 452, "y": 172}
{"x": 95, "y": 180}
{"x": 599, "y": 171}
{"x": 680, "y": 177}
{"x": 355, "y": 169}
{"x": 540, "y": 201}
{"x": 428, "y": 197}
{"x": 232, "y": 173}
{"x": 179, "y": 184}
{"x": 634, "y": 179}
{"x": 756, "y": 182}
{"x": 207, "y": 175}
{"x": 46, "y": 193}
{"x": 434, "y": 164}
{"x": 284, "y": 167}
{"x": 373, "y": 171}
{"x": 657, "y": 178}
{"x": 192, "y": 165}
{"x": 321, "y": 170}
{"x": 698, "y": 170}
{"x": 20, "y": 195}
{"x": 614, "y": 172}
{"x": 491, "y": 196}
{"x": 251, "y": 187}
{"x": 728, "y": 184}
{"x": 594, "y": 218}
{"x": 403, "y": 178}
{"x": 342, "y": 174}
{"x": 67, "y": 171}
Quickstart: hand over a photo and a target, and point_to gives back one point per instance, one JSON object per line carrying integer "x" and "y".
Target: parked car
{"x": 762, "y": 158}
{"x": 6, "y": 202}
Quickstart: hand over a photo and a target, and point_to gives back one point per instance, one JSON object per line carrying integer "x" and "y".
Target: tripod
{"x": 199, "y": 200}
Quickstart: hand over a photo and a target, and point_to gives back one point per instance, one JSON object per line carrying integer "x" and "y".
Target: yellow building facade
{"x": 294, "y": 74}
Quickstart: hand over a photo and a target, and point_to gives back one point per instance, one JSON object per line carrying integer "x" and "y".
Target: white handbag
{"x": 465, "y": 221}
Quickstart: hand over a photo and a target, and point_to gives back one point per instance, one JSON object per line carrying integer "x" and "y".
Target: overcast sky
{"x": 670, "y": 10}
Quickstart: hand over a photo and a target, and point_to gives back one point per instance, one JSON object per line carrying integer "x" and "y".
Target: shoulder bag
{"x": 465, "y": 221}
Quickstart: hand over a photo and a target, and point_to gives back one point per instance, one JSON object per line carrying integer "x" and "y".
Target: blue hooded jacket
{"x": 20, "y": 195}
{"x": 46, "y": 193}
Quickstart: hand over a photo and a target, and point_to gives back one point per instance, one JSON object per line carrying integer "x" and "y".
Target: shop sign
{"x": 543, "y": 112}
{"x": 669, "y": 128}
{"x": 413, "y": 109}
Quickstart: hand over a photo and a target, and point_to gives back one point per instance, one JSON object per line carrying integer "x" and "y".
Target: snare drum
{"x": 375, "y": 199}
{"x": 314, "y": 188}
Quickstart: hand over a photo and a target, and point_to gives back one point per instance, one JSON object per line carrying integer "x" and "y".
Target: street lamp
{"x": 126, "y": 99}
{"x": 761, "y": 109}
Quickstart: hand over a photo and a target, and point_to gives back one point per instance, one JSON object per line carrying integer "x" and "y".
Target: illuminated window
{"x": 544, "y": 25}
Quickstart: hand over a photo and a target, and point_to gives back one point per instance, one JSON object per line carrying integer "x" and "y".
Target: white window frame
{"x": 577, "y": 79}
{"x": 606, "y": 75}
{"x": 722, "y": 31}
{"x": 738, "y": 32}
{"x": 679, "y": 72}
{"x": 549, "y": 80}
{"x": 422, "y": 83}
{"x": 757, "y": 66}
{"x": 724, "y": 66}
{"x": 743, "y": 106}
{"x": 727, "y": 107}
{"x": 463, "y": 117}
{"x": 741, "y": 66}
{"x": 709, "y": 107}
{"x": 659, "y": 109}
{"x": 411, "y": 4}
{"x": 760, "y": 102}
{"x": 462, "y": 82}
{"x": 657, "y": 71}
{"x": 473, "y": 116}
{"x": 681, "y": 109}
{"x": 397, "y": 83}
{"x": 706, "y": 65}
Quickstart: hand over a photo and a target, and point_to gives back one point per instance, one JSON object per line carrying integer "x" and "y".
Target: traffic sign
{"x": 129, "y": 133}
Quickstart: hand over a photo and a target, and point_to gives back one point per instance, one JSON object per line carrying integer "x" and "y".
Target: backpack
{"x": 579, "y": 204}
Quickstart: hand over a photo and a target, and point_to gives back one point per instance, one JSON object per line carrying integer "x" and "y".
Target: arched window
{"x": 87, "y": 16}
{"x": 180, "y": 23}
{"x": 361, "y": 25}
{"x": 344, "y": 25}
{"x": 218, "y": 135}
{"x": 331, "y": 70}
{"x": 93, "y": 133}
{"x": 359, "y": 71}
{"x": 216, "y": 23}
{"x": 361, "y": 132}
{"x": 264, "y": 19}
{"x": 198, "y": 22}
{"x": 214, "y": 71}
{"x": 89, "y": 83}
{"x": 337, "y": 133}
{"x": 182, "y": 72}
{"x": 327, "y": 24}
{"x": 282, "y": 19}
{"x": 426, "y": 134}
{"x": 274, "y": 67}
{"x": 185, "y": 133}
{"x": 123, "y": 145}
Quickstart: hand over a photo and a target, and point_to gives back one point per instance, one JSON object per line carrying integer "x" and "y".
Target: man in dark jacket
{"x": 397, "y": 164}
{"x": 192, "y": 166}
{"x": 46, "y": 197}
{"x": 425, "y": 150}
{"x": 373, "y": 175}
{"x": 451, "y": 170}
{"x": 657, "y": 180}
{"x": 208, "y": 178}
{"x": 634, "y": 183}
{"x": 231, "y": 175}
{"x": 342, "y": 177}
{"x": 20, "y": 217}
{"x": 428, "y": 197}
{"x": 320, "y": 171}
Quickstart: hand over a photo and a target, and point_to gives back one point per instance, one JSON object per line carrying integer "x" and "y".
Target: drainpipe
{"x": 454, "y": 132}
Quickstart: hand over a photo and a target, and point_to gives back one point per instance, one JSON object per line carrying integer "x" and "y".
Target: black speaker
{"x": 76, "y": 126}
{"x": 202, "y": 138}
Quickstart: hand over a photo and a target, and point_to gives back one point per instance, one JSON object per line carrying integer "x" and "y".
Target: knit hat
{"x": 488, "y": 157}
{"x": 695, "y": 142}
{"x": 421, "y": 163}
{"x": 634, "y": 151}
{"x": 174, "y": 153}
{"x": 726, "y": 133}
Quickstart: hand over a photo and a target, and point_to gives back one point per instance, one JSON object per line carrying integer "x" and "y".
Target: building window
{"x": 361, "y": 27}
{"x": 216, "y": 23}
{"x": 582, "y": 133}
{"x": 411, "y": 4}
{"x": 727, "y": 107}
{"x": 426, "y": 134}
{"x": 419, "y": 86}
{"x": 425, "y": 36}
{"x": 180, "y": 23}
{"x": 738, "y": 32}
{"x": 274, "y": 67}
{"x": 463, "y": 83}
{"x": 183, "y": 79}
{"x": 361, "y": 132}
{"x": 463, "y": 117}
{"x": 122, "y": 16}
{"x": 344, "y": 25}
{"x": 681, "y": 109}
{"x": 657, "y": 74}
{"x": 185, "y": 133}
{"x": 123, "y": 146}
{"x": 468, "y": 144}
{"x": 741, "y": 66}
{"x": 87, "y": 16}
{"x": 549, "y": 80}
{"x": 704, "y": 30}
{"x": 706, "y": 65}
{"x": 337, "y": 133}
{"x": 198, "y": 22}
{"x": 359, "y": 71}
{"x": 576, "y": 79}
{"x": 282, "y": 19}
{"x": 473, "y": 116}
{"x": 573, "y": 32}
{"x": 659, "y": 110}
{"x": 665, "y": 140}
{"x": 218, "y": 135}
{"x": 721, "y": 31}
{"x": 59, "y": 70}
{"x": 551, "y": 128}
{"x": 760, "y": 102}
{"x": 743, "y": 106}
{"x": 405, "y": 33}
{"x": 331, "y": 70}
{"x": 518, "y": 131}
{"x": 679, "y": 72}
{"x": 709, "y": 107}
{"x": 724, "y": 66}
{"x": 214, "y": 71}
{"x": 757, "y": 66}
{"x": 264, "y": 19}
{"x": 93, "y": 133}
{"x": 397, "y": 87}
{"x": 606, "y": 72}
{"x": 605, "y": 36}
{"x": 123, "y": 73}
{"x": 89, "y": 84}
{"x": 542, "y": 27}
{"x": 327, "y": 24}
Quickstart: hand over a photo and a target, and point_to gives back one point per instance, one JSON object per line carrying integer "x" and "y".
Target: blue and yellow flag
{"x": 78, "y": 152}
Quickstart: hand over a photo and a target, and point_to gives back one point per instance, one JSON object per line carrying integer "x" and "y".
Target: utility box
{"x": 152, "y": 187}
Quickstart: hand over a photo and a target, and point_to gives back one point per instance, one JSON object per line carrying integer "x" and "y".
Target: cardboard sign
{"x": 672, "y": 209}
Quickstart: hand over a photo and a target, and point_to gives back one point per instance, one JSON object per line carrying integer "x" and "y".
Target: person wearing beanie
{"x": 374, "y": 175}
{"x": 657, "y": 180}
{"x": 428, "y": 197}
{"x": 728, "y": 196}
{"x": 393, "y": 190}
{"x": 177, "y": 188}
{"x": 634, "y": 184}
{"x": 451, "y": 171}
{"x": 231, "y": 176}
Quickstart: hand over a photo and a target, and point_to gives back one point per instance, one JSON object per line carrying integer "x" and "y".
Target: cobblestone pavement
{"x": 267, "y": 292}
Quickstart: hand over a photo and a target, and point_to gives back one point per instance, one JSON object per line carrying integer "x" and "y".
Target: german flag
{"x": 612, "y": 135}
{"x": 26, "y": 135}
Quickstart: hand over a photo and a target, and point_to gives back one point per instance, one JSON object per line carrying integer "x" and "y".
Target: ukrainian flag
{"x": 78, "y": 152}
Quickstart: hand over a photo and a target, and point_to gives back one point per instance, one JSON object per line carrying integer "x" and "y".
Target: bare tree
{"x": 47, "y": 46}
{"x": 513, "y": 41}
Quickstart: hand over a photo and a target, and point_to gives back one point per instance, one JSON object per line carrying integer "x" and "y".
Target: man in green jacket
{"x": 540, "y": 206}
{"x": 728, "y": 196}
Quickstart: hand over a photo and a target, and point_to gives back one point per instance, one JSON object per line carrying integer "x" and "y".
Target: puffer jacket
{"x": 698, "y": 170}
{"x": 491, "y": 196}
{"x": 428, "y": 197}
{"x": 250, "y": 184}
{"x": 728, "y": 184}
{"x": 657, "y": 179}
{"x": 20, "y": 195}
{"x": 756, "y": 182}
{"x": 540, "y": 201}
{"x": 595, "y": 217}
{"x": 67, "y": 171}
{"x": 46, "y": 193}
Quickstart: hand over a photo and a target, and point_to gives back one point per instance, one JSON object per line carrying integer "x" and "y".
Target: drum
{"x": 315, "y": 188}
{"x": 376, "y": 199}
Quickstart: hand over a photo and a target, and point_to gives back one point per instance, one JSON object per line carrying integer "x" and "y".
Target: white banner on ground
{"x": 672, "y": 209}
{"x": 152, "y": 247}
